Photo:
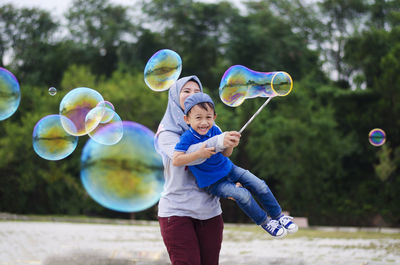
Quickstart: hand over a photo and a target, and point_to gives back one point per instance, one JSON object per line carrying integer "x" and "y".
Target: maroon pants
{"x": 191, "y": 241}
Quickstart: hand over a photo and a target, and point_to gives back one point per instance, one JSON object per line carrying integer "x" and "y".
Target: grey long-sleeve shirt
{"x": 181, "y": 195}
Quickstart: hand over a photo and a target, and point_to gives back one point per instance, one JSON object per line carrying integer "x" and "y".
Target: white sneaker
{"x": 274, "y": 228}
{"x": 286, "y": 222}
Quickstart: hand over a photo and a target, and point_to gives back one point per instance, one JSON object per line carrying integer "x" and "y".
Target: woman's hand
{"x": 238, "y": 185}
{"x": 231, "y": 139}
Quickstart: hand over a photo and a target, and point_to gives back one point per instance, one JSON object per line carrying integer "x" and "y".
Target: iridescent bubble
{"x": 377, "y": 137}
{"x": 76, "y": 105}
{"x": 162, "y": 70}
{"x": 10, "y": 95}
{"x": 239, "y": 83}
{"x": 127, "y": 176}
{"x": 50, "y": 140}
{"x": 109, "y": 132}
{"x": 52, "y": 91}
{"x": 107, "y": 115}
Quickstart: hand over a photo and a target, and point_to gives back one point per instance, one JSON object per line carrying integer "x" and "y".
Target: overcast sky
{"x": 58, "y": 7}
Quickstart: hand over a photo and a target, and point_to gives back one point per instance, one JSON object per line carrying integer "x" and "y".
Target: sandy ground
{"x": 58, "y": 243}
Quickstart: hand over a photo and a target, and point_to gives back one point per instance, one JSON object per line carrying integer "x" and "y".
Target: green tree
{"x": 28, "y": 34}
{"x": 342, "y": 18}
{"x": 297, "y": 146}
{"x": 386, "y": 165}
{"x": 270, "y": 45}
{"x": 100, "y": 28}
{"x": 196, "y": 31}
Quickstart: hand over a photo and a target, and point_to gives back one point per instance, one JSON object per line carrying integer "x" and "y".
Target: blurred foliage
{"x": 311, "y": 147}
{"x": 386, "y": 165}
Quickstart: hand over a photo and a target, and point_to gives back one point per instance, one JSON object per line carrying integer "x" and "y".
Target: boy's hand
{"x": 206, "y": 152}
{"x": 231, "y": 139}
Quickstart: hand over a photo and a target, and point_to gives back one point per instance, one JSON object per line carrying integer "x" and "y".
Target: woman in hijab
{"x": 190, "y": 218}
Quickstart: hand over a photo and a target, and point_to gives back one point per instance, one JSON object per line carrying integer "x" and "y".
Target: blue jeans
{"x": 226, "y": 187}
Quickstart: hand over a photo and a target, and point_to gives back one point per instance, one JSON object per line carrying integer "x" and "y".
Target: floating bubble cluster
{"x": 377, "y": 137}
{"x": 127, "y": 176}
{"x": 239, "y": 83}
{"x": 82, "y": 111}
{"x": 75, "y": 105}
{"x": 120, "y": 167}
{"x": 10, "y": 95}
{"x": 52, "y": 91}
{"x": 162, "y": 70}
{"x": 50, "y": 140}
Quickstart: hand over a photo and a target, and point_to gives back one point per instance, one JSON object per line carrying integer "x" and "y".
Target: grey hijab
{"x": 173, "y": 118}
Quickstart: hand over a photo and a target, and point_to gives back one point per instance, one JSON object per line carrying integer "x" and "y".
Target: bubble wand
{"x": 239, "y": 83}
{"x": 255, "y": 114}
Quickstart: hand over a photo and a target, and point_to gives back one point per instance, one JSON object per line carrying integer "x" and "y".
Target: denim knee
{"x": 242, "y": 195}
{"x": 262, "y": 188}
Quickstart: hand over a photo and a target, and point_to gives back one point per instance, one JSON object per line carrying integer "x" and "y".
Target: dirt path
{"x": 60, "y": 243}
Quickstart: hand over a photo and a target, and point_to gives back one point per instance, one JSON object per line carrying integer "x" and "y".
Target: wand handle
{"x": 255, "y": 114}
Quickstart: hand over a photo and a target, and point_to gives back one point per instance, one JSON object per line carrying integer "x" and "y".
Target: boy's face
{"x": 200, "y": 120}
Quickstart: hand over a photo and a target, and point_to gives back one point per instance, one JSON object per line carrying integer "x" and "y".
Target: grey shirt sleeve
{"x": 167, "y": 141}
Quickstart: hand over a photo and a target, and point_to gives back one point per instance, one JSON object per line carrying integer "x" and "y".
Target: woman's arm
{"x": 181, "y": 158}
{"x": 231, "y": 140}
{"x": 167, "y": 141}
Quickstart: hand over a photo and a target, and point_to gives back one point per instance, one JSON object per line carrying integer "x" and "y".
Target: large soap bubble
{"x": 377, "y": 137}
{"x": 75, "y": 105}
{"x": 162, "y": 70}
{"x": 239, "y": 83}
{"x": 127, "y": 176}
{"x": 10, "y": 95}
{"x": 50, "y": 140}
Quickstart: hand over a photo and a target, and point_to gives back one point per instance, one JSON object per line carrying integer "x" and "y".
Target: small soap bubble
{"x": 52, "y": 91}
{"x": 162, "y": 70}
{"x": 377, "y": 137}
{"x": 127, "y": 176}
{"x": 50, "y": 140}
{"x": 10, "y": 94}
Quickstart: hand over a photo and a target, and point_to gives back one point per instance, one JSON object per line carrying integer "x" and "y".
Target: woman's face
{"x": 188, "y": 89}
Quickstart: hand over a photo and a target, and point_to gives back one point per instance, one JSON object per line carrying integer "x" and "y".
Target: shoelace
{"x": 284, "y": 220}
{"x": 272, "y": 225}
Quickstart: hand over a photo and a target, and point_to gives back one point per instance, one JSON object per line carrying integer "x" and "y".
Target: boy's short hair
{"x": 201, "y": 99}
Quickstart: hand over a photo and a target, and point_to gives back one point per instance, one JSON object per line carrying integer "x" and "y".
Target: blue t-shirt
{"x": 214, "y": 168}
